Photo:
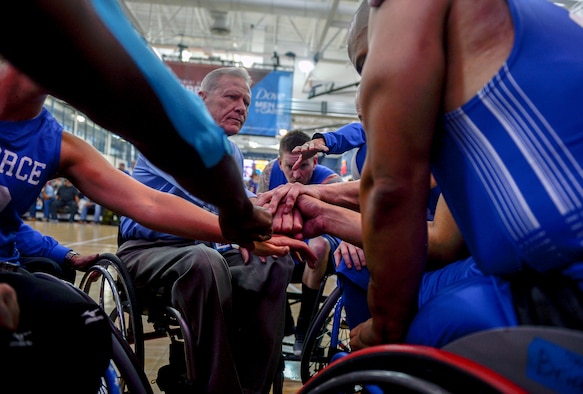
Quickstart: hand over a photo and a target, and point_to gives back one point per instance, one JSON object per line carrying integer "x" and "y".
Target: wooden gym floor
{"x": 96, "y": 238}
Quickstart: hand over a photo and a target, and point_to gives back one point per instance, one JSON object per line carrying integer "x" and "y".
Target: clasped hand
{"x": 296, "y": 210}
{"x": 246, "y": 227}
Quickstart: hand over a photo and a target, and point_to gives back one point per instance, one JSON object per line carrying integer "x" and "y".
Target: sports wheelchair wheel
{"x": 109, "y": 284}
{"x": 327, "y": 336}
{"x": 541, "y": 359}
{"x": 409, "y": 369}
{"x": 125, "y": 374}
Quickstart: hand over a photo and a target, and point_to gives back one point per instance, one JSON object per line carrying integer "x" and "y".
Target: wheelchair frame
{"x": 125, "y": 373}
{"x": 327, "y": 336}
{"x": 118, "y": 297}
{"x": 518, "y": 359}
{"x": 114, "y": 283}
{"x": 407, "y": 368}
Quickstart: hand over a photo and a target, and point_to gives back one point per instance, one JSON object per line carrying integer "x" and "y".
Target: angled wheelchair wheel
{"x": 327, "y": 336}
{"x": 376, "y": 382}
{"x": 109, "y": 284}
{"x": 125, "y": 374}
{"x": 411, "y": 368}
{"x": 541, "y": 359}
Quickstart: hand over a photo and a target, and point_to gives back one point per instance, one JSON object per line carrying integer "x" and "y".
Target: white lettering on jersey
{"x": 27, "y": 170}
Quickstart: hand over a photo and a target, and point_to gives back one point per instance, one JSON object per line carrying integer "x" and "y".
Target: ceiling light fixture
{"x": 306, "y": 66}
{"x": 220, "y": 26}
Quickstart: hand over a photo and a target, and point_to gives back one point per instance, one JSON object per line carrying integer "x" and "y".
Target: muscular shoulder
{"x": 323, "y": 175}
{"x": 265, "y": 177}
{"x": 332, "y": 178}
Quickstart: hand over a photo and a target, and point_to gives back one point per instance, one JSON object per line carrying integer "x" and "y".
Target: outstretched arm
{"x": 400, "y": 96}
{"x": 342, "y": 140}
{"x": 96, "y": 178}
{"x": 322, "y": 218}
{"x": 344, "y": 194}
{"x": 100, "y": 65}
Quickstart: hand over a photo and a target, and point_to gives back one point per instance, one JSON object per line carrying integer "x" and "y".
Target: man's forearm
{"x": 344, "y": 224}
{"x": 343, "y": 194}
{"x": 221, "y": 185}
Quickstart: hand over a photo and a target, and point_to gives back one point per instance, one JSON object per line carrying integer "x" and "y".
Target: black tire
{"x": 414, "y": 368}
{"x": 129, "y": 369}
{"x": 317, "y": 351}
{"x": 376, "y": 381}
{"x": 109, "y": 284}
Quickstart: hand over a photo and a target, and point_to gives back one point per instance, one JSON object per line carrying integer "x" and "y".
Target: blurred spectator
{"x": 85, "y": 205}
{"x": 32, "y": 210}
{"x": 253, "y": 182}
{"x": 48, "y": 196}
{"x": 122, "y": 167}
{"x": 67, "y": 195}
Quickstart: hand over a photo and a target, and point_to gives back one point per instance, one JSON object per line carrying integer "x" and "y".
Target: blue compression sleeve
{"x": 185, "y": 109}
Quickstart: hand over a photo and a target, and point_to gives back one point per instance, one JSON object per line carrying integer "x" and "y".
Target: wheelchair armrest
{"x": 539, "y": 359}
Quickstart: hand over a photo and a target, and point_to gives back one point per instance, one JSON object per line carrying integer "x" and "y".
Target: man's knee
{"x": 320, "y": 246}
{"x": 200, "y": 261}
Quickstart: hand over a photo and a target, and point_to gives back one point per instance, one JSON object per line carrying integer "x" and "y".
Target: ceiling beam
{"x": 305, "y": 8}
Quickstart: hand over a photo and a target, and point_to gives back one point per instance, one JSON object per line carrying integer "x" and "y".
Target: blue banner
{"x": 270, "y": 108}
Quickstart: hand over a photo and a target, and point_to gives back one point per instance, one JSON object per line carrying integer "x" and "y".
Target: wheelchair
{"x": 523, "y": 359}
{"x": 109, "y": 283}
{"x": 327, "y": 336}
{"x": 407, "y": 369}
{"x": 294, "y": 298}
{"x": 125, "y": 373}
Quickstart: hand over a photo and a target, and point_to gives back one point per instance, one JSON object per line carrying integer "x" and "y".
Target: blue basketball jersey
{"x": 320, "y": 175}
{"x": 510, "y": 161}
{"x": 29, "y": 157}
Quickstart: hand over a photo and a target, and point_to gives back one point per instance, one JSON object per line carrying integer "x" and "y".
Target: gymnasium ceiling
{"x": 264, "y": 31}
{"x": 285, "y": 32}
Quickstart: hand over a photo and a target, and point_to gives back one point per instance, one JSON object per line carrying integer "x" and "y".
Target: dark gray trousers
{"x": 235, "y": 310}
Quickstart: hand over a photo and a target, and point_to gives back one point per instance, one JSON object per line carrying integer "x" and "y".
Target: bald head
{"x": 357, "y": 36}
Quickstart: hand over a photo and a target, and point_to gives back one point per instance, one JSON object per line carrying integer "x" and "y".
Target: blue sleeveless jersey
{"x": 320, "y": 175}
{"x": 510, "y": 162}
{"x": 29, "y": 157}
